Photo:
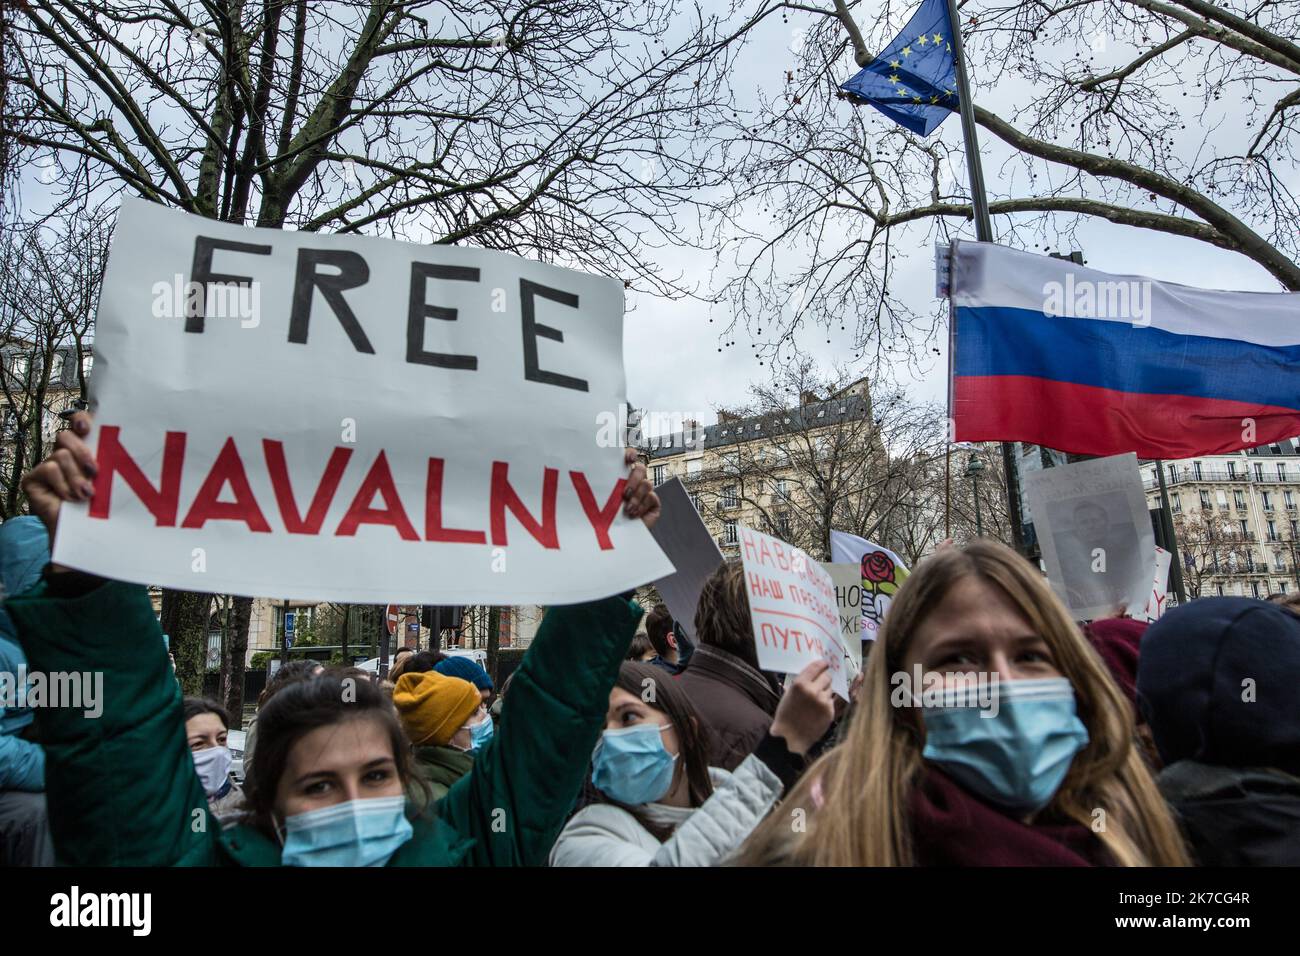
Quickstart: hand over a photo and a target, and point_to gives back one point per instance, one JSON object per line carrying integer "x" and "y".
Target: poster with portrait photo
{"x": 1095, "y": 534}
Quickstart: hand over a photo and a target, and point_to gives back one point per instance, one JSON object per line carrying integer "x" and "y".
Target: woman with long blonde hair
{"x": 1015, "y": 747}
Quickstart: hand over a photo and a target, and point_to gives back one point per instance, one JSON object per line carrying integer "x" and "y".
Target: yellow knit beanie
{"x": 433, "y": 707}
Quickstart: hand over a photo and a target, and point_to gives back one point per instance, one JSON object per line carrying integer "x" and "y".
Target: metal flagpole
{"x": 983, "y": 232}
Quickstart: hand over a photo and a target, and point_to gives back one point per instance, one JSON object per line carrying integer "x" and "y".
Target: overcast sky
{"x": 671, "y": 349}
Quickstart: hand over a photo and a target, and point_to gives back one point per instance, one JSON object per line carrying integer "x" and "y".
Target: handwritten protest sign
{"x": 849, "y": 596}
{"x": 792, "y": 604}
{"x": 354, "y": 419}
{"x": 882, "y": 573}
{"x": 1160, "y": 588}
{"x": 685, "y": 538}
{"x": 1095, "y": 533}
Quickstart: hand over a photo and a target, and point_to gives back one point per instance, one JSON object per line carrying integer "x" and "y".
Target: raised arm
{"x": 120, "y": 782}
{"x": 526, "y": 780}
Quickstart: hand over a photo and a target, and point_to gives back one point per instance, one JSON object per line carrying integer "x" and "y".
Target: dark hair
{"x": 640, "y": 644}
{"x": 692, "y": 733}
{"x": 286, "y": 674}
{"x": 335, "y": 695}
{"x": 722, "y": 617}
{"x": 658, "y": 625}
{"x": 423, "y": 662}
{"x": 193, "y": 706}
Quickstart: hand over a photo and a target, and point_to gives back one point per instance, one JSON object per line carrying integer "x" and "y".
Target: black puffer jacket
{"x": 1217, "y": 682}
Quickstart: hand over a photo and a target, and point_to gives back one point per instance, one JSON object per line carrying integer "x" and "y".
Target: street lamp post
{"x": 973, "y": 469}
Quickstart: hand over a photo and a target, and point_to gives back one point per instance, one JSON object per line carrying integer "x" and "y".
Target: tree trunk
{"x": 235, "y": 655}
{"x": 185, "y": 620}
{"x": 493, "y": 641}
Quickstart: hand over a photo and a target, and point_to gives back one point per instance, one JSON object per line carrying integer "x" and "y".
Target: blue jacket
{"x": 24, "y": 552}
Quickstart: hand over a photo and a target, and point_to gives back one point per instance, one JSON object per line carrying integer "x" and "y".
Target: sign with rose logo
{"x": 883, "y": 572}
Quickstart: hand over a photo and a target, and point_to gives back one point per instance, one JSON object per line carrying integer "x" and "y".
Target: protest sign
{"x": 1095, "y": 534}
{"x": 1160, "y": 588}
{"x": 849, "y": 595}
{"x": 792, "y": 604}
{"x": 882, "y": 574}
{"x": 353, "y": 419}
{"x": 685, "y": 539}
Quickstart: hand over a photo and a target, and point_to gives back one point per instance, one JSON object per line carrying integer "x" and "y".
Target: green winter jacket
{"x": 122, "y": 790}
{"x": 441, "y": 767}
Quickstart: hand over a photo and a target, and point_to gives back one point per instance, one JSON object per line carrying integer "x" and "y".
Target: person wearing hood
{"x": 1217, "y": 682}
{"x": 207, "y": 725}
{"x": 447, "y": 724}
{"x": 24, "y": 826}
{"x": 658, "y": 801}
{"x": 733, "y": 697}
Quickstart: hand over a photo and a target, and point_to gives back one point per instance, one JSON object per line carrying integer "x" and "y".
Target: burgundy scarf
{"x": 950, "y": 827}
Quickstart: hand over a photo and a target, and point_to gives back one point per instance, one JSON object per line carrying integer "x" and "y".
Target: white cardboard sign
{"x": 361, "y": 420}
{"x": 792, "y": 604}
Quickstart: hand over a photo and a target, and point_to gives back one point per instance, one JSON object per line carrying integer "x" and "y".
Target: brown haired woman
{"x": 663, "y": 804}
{"x": 1050, "y": 777}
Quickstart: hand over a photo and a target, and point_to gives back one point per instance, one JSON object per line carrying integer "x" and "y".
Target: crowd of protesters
{"x": 631, "y": 739}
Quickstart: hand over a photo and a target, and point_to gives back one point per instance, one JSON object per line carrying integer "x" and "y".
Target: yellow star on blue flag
{"x": 912, "y": 79}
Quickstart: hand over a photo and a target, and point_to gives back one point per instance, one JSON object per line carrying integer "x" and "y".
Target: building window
{"x": 1259, "y": 471}
{"x": 729, "y": 531}
{"x": 1240, "y": 498}
{"x": 1254, "y": 589}
{"x": 56, "y": 368}
{"x": 1281, "y": 471}
{"x": 661, "y": 472}
{"x": 1222, "y": 498}
{"x": 1196, "y": 470}
{"x": 729, "y": 499}
{"x": 695, "y": 500}
{"x": 783, "y": 525}
{"x": 1279, "y": 561}
{"x": 1175, "y": 503}
{"x": 694, "y": 467}
{"x": 1268, "y": 500}
{"x": 1288, "y": 498}
{"x": 1232, "y": 469}
{"x": 1219, "y": 588}
{"x": 86, "y": 362}
{"x": 1281, "y": 586}
{"x": 1173, "y": 473}
{"x": 782, "y": 490}
{"x": 1205, "y": 501}
{"x": 1272, "y": 531}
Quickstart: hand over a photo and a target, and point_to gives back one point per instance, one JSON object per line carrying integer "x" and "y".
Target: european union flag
{"x": 914, "y": 81}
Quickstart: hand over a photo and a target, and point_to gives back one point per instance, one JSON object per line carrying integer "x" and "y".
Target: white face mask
{"x": 213, "y": 767}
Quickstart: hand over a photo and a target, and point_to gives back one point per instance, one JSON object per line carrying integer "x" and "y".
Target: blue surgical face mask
{"x": 630, "y": 764}
{"x": 1016, "y": 759}
{"x": 355, "y": 833}
{"x": 480, "y": 734}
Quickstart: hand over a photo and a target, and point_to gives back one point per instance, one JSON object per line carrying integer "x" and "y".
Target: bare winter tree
{"x": 814, "y": 454}
{"x": 1177, "y": 116}
{"x": 1210, "y": 547}
{"x": 49, "y": 286}
{"x": 557, "y": 129}
{"x": 936, "y": 486}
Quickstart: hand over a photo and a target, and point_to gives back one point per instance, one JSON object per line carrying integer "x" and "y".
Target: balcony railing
{"x": 1218, "y": 475}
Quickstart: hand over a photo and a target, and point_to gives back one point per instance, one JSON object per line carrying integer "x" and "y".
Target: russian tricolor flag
{"x": 1049, "y": 352}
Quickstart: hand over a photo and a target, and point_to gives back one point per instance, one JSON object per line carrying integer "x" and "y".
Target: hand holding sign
{"x": 806, "y": 709}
